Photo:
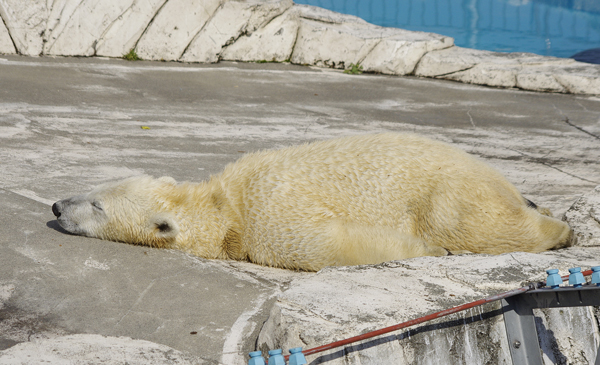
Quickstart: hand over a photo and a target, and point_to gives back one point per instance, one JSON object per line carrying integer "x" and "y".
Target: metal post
{"x": 520, "y": 322}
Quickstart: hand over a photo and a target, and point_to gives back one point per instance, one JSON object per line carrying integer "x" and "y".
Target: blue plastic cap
{"x": 576, "y": 278}
{"x": 596, "y": 275}
{"x": 276, "y": 358}
{"x": 554, "y": 280}
{"x": 297, "y": 357}
{"x": 256, "y": 358}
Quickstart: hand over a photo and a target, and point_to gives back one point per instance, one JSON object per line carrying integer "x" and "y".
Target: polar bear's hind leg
{"x": 362, "y": 244}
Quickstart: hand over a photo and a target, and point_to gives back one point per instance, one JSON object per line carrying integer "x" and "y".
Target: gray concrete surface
{"x": 67, "y": 125}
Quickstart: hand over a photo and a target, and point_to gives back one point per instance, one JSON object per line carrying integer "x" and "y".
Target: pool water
{"x": 559, "y": 28}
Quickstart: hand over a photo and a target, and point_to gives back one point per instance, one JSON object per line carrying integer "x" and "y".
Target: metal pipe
{"x": 429, "y": 317}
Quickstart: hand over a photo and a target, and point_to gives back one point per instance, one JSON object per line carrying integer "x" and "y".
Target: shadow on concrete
{"x": 55, "y": 226}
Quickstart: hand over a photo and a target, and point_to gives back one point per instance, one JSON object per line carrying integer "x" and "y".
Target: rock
{"x": 124, "y": 32}
{"x": 6, "y": 44}
{"x": 80, "y": 24}
{"x": 584, "y": 218}
{"x": 94, "y": 349}
{"x": 523, "y": 70}
{"x": 338, "y": 42}
{"x": 399, "y": 54}
{"x": 174, "y": 27}
{"x": 232, "y": 21}
{"x": 367, "y": 298}
{"x": 273, "y": 42}
{"x": 26, "y": 23}
{"x": 580, "y": 78}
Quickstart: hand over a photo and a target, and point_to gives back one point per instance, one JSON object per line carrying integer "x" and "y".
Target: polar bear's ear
{"x": 168, "y": 180}
{"x": 163, "y": 225}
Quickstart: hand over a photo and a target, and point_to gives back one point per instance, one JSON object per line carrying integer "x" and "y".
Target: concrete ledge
{"x": 271, "y": 30}
{"x": 369, "y": 298}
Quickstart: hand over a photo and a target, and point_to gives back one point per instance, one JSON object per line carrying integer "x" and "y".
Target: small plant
{"x": 132, "y": 56}
{"x": 355, "y": 69}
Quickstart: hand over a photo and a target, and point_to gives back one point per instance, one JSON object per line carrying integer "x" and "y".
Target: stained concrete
{"x": 67, "y": 125}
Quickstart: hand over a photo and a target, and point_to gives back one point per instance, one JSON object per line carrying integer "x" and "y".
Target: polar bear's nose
{"x": 55, "y": 210}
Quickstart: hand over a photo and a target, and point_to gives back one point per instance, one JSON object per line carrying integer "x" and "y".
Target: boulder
{"x": 174, "y": 27}
{"x": 584, "y": 219}
{"x": 522, "y": 70}
{"x": 339, "y": 303}
{"x": 80, "y": 24}
{"x": 26, "y": 23}
{"x": 233, "y": 20}
{"x": 123, "y": 33}
{"x": 332, "y": 40}
{"x": 95, "y": 349}
{"x": 6, "y": 43}
{"x": 273, "y": 42}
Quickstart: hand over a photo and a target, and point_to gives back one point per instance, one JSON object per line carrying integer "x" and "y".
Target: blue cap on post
{"x": 276, "y": 358}
{"x": 576, "y": 278}
{"x": 256, "y": 358}
{"x": 596, "y": 275}
{"x": 297, "y": 357}
{"x": 554, "y": 280}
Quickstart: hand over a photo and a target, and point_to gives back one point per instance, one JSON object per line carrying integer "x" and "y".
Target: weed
{"x": 132, "y": 56}
{"x": 355, "y": 69}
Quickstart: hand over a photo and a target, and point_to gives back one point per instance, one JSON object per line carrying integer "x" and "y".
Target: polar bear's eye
{"x": 97, "y": 205}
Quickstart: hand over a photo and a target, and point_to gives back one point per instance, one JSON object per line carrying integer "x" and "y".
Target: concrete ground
{"x": 67, "y": 125}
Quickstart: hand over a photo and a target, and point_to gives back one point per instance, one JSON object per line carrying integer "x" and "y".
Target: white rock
{"x": 232, "y": 20}
{"x": 400, "y": 54}
{"x": 60, "y": 12}
{"x": 123, "y": 34}
{"x": 522, "y": 70}
{"x": 26, "y": 23}
{"x": 331, "y": 45}
{"x": 580, "y": 78}
{"x": 273, "y": 42}
{"x": 336, "y": 41}
{"x": 174, "y": 27}
{"x": 326, "y": 16}
{"x": 79, "y": 27}
{"x": 339, "y": 303}
{"x": 94, "y": 349}
{"x": 584, "y": 218}
{"x": 6, "y": 44}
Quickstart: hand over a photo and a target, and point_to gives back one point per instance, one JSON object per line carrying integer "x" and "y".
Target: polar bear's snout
{"x": 78, "y": 215}
{"x": 56, "y": 210}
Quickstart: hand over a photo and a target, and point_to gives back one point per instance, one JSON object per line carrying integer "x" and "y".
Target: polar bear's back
{"x": 371, "y": 178}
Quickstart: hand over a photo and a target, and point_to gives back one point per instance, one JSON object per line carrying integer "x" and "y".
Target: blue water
{"x": 558, "y": 28}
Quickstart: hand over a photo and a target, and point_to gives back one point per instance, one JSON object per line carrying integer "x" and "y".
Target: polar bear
{"x": 355, "y": 200}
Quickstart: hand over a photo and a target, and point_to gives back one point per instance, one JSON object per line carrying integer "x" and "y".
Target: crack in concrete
{"x": 535, "y": 160}
{"x": 454, "y": 72}
{"x": 371, "y": 50}
{"x": 579, "y": 128}
{"x": 107, "y": 29}
{"x": 471, "y": 118}
{"x": 291, "y": 55}
{"x": 414, "y": 70}
{"x": 149, "y": 24}
{"x": 139, "y": 299}
{"x": 3, "y": 16}
{"x": 66, "y": 23}
{"x": 210, "y": 18}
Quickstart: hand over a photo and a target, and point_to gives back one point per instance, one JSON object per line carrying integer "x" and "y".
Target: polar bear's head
{"x": 130, "y": 211}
